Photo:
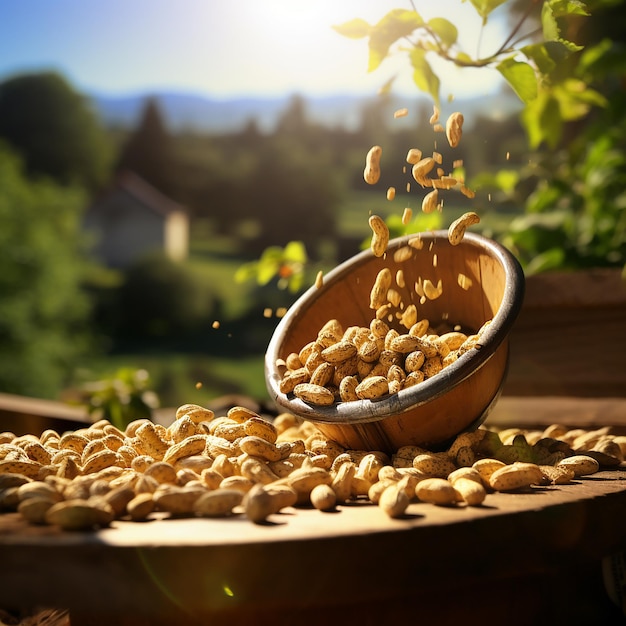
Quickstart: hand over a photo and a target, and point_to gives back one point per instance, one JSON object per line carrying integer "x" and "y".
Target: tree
{"x": 161, "y": 298}
{"x": 44, "y": 314}
{"x": 566, "y": 62}
{"x": 149, "y": 151}
{"x": 53, "y": 129}
{"x": 294, "y": 193}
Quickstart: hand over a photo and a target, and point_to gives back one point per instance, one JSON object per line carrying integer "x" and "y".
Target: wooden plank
{"x": 570, "y": 336}
{"x": 305, "y": 564}
{"x": 532, "y": 412}
{"x": 23, "y": 415}
{"x": 595, "y": 287}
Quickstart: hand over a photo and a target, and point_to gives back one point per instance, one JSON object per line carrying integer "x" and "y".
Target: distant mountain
{"x": 188, "y": 111}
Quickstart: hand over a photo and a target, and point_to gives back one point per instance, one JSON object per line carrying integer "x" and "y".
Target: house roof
{"x": 145, "y": 193}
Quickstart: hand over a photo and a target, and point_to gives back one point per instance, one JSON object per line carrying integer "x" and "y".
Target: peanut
{"x": 188, "y": 447}
{"x": 339, "y": 352}
{"x": 257, "y": 471}
{"x": 380, "y": 236}
{"x": 27, "y": 468}
{"x": 469, "y": 491}
{"x": 433, "y": 465}
{"x": 303, "y": 480}
{"x": 436, "y": 491}
{"x": 394, "y": 501}
{"x": 413, "y": 156}
{"x": 260, "y": 503}
{"x": 372, "y": 387}
{"x": 176, "y": 500}
{"x": 580, "y": 464}
{"x": 78, "y": 515}
{"x": 456, "y": 230}
{"x": 430, "y": 202}
{"x": 259, "y": 447}
{"x": 140, "y": 507}
{"x": 378, "y": 294}
{"x": 323, "y": 497}
{"x": 519, "y": 475}
{"x": 287, "y": 462}
{"x": 371, "y": 173}
{"x": 218, "y": 503}
{"x": 34, "y": 510}
{"x": 314, "y": 394}
{"x": 342, "y": 481}
{"x": 454, "y": 129}
{"x": 422, "y": 168}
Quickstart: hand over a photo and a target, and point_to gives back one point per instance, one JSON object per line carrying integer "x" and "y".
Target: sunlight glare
{"x": 293, "y": 44}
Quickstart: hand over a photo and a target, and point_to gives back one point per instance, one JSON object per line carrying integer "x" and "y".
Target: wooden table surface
{"x": 520, "y": 558}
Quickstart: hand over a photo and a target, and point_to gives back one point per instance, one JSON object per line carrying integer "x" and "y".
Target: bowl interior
{"x": 480, "y": 281}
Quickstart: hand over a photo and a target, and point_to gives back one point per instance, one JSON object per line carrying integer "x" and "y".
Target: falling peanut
{"x": 454, "y": 129}
{"x": 457, "y": 229}
{"x": 371, "y": 173}
{"x": 380, "y": 236}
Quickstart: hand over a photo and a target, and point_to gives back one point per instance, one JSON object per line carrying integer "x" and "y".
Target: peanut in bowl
{"x": 475, "y": 284}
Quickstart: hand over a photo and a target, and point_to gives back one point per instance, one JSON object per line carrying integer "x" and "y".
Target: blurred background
{"x": 152, "y": 152}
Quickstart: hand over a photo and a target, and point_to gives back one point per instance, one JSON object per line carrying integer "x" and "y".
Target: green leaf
{"x": 266, "y": 270}
{"x": 272, "y": 254}
{"x": 542, "y": 120}
{"x": 546, "y": 55}
{"x": 393, "y": 26}
{"x": 551, "y": 259}
{"x": 575, "y": 99}
{"x": 246, "y": 272}
{"x": 507, "y": 180}
{"x": 570, "y": 45}
{"x": 423, "y": 75}
{"x": 422, "y": 222}
{"x": 521, "y": 77}
{"x": 295, "y": 252}
{"x": 485, "y": 7}
{"x": 597, "y": 54}
{"x": 445, "y": 30}
{"x": 354, "y": 29}
{"x": 295, "y": 282}
{"x": 551, "y": 31}
{"x": 563, "y": 8}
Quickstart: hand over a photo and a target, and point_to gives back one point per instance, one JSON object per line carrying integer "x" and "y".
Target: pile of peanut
{"x": 244, "y": 464}
{"x": 362, "y": 362}
{"x": 367, "y": 363}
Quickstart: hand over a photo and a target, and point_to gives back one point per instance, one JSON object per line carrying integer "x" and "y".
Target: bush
{"x": 161, "y": 298}
{"x": 44, "y": 313}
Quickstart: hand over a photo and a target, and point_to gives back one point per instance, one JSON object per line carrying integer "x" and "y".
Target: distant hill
{"x": 188, "y": 111}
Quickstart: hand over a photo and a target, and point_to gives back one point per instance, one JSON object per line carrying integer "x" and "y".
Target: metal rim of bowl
{"x": 362, "y": 411}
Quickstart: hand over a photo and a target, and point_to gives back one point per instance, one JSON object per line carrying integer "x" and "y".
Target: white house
{"x": 132, "y": 218}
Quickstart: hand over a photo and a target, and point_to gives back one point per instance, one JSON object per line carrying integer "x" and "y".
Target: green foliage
{"x": 576, "y": 216}
{"x": 575, "y": 212}
{"x": 279, "y": 187}
{"x": 53, "y": 129}
{"x": 43, "y": 312}
{"x": 149, "y": 151}
{"x": 286, "y": 264}
{"x": 162, "y": 298}
{"x": 572, "y": 187}
{"x": 531, "y": 70}
{"x": 121, "y": 399}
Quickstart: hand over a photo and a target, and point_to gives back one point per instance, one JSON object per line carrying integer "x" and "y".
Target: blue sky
{"x": 221, "y": 48}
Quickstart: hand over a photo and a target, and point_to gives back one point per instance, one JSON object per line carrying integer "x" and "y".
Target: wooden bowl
{"x": 457, "y": 399}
